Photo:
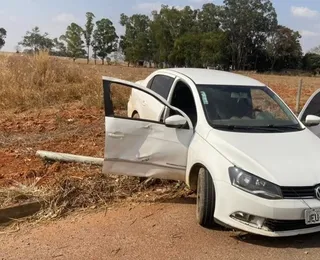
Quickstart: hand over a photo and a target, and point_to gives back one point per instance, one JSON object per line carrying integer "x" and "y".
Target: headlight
{"x": 254, "y": 185}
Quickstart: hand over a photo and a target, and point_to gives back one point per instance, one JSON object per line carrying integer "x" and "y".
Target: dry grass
{"x": 70, "y": 193}
{"x": 39, "y": 81}
{"x": 21, "y": 193}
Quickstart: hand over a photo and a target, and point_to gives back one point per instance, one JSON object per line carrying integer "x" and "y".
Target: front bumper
{"x": 230, "y": 199}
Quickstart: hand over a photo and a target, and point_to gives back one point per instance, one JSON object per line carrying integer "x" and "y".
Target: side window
{"x": 161, "y": 84}
{"x": 124, "y": 101}
{"x": 128, "y": 102}
{"x": 150, "y": 83}
{"x": 313, "y": 107}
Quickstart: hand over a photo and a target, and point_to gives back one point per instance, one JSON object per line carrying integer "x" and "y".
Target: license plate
{"x": 312, "y": 216}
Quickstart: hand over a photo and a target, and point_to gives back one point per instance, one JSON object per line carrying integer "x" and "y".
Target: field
{"x": 54, "y": 104}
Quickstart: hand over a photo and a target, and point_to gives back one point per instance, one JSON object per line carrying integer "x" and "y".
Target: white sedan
{"x": 254, "y": 164}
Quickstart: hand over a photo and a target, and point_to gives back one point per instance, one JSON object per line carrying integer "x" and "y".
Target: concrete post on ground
{"x": 299, "y": 96}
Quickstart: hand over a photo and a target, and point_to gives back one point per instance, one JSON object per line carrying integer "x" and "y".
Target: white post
{"x": 298, "y": 97}
{"x": 64, "y": 157}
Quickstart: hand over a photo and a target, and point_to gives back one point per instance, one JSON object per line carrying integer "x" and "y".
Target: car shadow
{"x": 297, "y": 242}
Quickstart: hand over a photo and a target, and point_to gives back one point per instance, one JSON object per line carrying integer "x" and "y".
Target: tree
{"x": 75, "y": 44}
{"x": 214, "y": 50}
{"x": 17, "y": 48}
{"x": 248, "y": 24}
{"x": 201, "y": 50}
{"x": 209, "y": 18}
{"x": 167, "y": 26}
{"x": 311, "y": 62}
{"x": 105, "y": 38}
{"x": 284, "y": 48}
{"x": 88, "y": 32}
{"x": 241, "y": 33}
{"x": 186, "y": 51}
{"x": 3, "y": 35}
{"x": 94, "y": 49}
{"x": 37, "y": 41}
{"x": 136, "y": 42}
{"x": 60, "y": 48}
{"x": 187, "y": 21}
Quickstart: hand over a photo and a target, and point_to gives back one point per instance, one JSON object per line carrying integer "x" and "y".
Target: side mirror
{"x": 312, "y": 120}
{"x": 175, "y": 121}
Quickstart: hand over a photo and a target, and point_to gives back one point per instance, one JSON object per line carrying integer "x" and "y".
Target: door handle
{"x": 143, "y": 158}
{"x": 116, "y": 135}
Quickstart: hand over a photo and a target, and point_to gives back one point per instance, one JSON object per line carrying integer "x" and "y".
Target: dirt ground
{"x": 71, "y": 129}
{"x": 147, "y": 231}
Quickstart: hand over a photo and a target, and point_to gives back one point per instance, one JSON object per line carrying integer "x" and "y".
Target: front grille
{"x": 298, "y": 192}
{"x": 287, "y": 225}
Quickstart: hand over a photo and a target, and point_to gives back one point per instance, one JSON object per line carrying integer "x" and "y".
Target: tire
{"x": 206, "y": 199}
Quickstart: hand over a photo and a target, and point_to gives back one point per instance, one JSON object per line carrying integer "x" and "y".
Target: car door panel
{"x": 141, "y": 148}
{"x": 144, "y": 148}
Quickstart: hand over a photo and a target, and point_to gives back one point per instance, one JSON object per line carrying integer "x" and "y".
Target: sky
{"x": 19, "y": 16}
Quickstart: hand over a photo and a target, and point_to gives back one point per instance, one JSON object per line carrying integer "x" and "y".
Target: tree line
{"x": 76, "y": 42}
{"x": 240, "y": 34}
{"x": 237, "y": 35}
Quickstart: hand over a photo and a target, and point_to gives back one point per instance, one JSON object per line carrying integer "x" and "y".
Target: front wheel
{"x": 206, "y": 199}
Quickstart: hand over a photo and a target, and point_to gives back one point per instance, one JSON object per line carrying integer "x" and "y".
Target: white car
{"x": 254, "y": 165}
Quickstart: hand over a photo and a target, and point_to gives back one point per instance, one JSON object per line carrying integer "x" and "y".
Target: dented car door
{"x": 143, "y": 148}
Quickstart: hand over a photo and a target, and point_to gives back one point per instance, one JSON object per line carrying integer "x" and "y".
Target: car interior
{"x": 182, "y": 98}
{"x": 313, "y": 108}
{"x": 221, "y": 105}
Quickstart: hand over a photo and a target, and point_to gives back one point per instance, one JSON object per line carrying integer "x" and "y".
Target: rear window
{"x": 162, "y": 85}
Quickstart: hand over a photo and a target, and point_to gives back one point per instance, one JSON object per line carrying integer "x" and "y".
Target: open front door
{"x": 138, "y": 146}
{"x": 312, "y": 107}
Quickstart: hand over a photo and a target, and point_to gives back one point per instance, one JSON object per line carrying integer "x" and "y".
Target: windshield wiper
{"x": 290, "y": 127}
{"x": 249, "y": 128}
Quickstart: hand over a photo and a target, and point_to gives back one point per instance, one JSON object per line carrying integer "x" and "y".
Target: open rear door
{"x": 142, "y": 147}
{"x": 312, "y": 107}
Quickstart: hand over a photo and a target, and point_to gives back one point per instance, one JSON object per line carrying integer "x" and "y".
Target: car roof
{"x": 215, "y": 77}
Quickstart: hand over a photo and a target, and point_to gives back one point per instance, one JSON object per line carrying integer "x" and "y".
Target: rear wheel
{"x": 206, "y": 199}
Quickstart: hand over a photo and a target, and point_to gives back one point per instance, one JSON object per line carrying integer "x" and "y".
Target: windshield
{"x": 246, "y": 107}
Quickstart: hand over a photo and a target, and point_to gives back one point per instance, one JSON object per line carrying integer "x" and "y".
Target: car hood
{"x": 286, "y": 159}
